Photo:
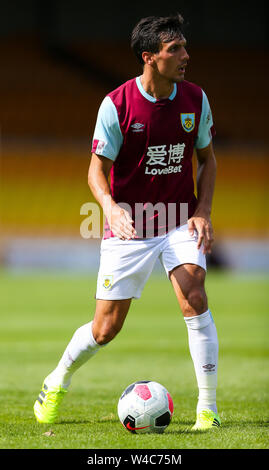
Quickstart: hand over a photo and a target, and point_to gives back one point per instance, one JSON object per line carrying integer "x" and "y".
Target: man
{"x": 144, "y": 139}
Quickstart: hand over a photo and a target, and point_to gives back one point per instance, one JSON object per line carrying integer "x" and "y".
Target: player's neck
{"x": 158, "y": 87}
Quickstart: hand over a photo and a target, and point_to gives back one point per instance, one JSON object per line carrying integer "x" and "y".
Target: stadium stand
{"x": 55, "y": 91}
{"x": 49, "y": 100}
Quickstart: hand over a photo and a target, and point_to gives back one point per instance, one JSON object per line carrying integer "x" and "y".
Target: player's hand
{"x": 121, "y": 223}
{"x": 204, "y": 229}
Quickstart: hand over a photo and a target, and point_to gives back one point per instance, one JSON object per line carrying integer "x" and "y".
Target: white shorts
{"x": 125, "y": 265}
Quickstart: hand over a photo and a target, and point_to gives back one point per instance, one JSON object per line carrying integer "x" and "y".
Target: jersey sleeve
{"x": 107, "y": 137}
{"x": 206, "y": 128}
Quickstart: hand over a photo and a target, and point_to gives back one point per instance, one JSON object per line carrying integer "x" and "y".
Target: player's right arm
{"x": 118, "y": 218}
{"x": 107, "y": 141}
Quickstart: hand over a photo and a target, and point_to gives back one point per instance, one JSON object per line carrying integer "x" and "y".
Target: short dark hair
{"x": 149, "y": 32}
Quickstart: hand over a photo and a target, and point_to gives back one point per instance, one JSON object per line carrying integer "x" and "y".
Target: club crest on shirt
{"x": 187, "y": 121}
{"x": 108, "y": 281}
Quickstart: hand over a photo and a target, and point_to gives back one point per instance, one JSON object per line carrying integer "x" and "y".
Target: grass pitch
{"x": 40, "y": 312}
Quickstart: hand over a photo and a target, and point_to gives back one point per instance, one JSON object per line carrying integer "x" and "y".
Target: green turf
{"x": 40, "y": 312}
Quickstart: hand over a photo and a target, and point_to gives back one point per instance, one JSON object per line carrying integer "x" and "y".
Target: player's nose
{"x": 186, "y": 56}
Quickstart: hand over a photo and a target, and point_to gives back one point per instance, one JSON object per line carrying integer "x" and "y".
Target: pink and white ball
{"x": 145, "y": 407}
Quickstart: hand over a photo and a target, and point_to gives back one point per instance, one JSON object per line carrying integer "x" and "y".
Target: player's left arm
{"x": 206, "y": 176}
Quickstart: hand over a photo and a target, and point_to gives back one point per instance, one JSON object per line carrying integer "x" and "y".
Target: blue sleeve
{"x": 204, "y": 135}
{"x": 107, "y": 137}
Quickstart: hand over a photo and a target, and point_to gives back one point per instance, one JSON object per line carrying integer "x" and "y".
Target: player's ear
{"x": 148, "y": 57}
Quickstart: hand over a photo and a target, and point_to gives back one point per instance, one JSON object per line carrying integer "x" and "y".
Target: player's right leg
{"x": 124, "y": 269}
{"x": 85, "y": 343}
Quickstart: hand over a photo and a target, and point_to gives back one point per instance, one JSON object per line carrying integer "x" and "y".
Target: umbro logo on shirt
{"x": 137, "y": 127}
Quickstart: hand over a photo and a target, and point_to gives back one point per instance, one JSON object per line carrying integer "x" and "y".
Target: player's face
{"x": 172, "y": 59}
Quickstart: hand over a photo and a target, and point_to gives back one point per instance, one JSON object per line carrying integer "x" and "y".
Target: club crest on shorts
{"x": 187, "y": 121}
{"x": 108, "y": 281}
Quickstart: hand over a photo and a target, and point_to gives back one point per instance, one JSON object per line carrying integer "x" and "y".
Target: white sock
{"x": 203, "y": 344}
{"x": 80, "y": 349}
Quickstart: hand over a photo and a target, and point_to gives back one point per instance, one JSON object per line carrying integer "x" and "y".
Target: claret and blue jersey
{"x": 151, "y": 143}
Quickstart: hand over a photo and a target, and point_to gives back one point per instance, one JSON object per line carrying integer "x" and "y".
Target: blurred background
{"x": 58, "y": 61}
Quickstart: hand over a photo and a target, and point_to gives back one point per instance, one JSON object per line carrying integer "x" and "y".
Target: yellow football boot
{"x": 206, "y": 419}
{"x": 47, "y": 404}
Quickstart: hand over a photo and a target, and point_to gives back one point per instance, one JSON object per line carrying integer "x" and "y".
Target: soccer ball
{"x": 145, "y": 407}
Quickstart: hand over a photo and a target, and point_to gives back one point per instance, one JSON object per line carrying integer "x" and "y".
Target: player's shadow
{"x": 242, "y": 424}
{"x": 103, "y": 420}
{"x": 185, "y": 428}
{"x": 73, "y": 421}
{"x": 228, "y": 425}
{"x": 174, "y": 432}
{"x": 110, "y": 418}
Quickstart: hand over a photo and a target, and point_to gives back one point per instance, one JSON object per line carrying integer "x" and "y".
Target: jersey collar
{"x": 149, "y": 97}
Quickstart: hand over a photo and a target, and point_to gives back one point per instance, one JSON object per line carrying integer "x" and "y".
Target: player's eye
{"x": 174, "y": 48}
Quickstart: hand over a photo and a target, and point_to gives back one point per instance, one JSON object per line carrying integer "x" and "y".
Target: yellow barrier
{"x": 43, "y": 187}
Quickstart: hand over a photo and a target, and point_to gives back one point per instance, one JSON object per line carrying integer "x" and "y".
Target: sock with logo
{"x": 79, "y": 350}
{"x": 203, "y": 344}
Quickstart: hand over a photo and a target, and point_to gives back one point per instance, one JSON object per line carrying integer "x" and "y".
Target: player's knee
{"x": 196, "y": 301}
{"x": 106, "y": 334}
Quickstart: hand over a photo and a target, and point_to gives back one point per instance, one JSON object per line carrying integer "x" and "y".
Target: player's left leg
{"x": 185, "y": 266}
{"x": 188, "y": 283}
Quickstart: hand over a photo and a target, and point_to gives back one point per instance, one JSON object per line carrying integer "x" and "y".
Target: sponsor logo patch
{"x": 166, "y": 157}
{"x": 98, "y": 146}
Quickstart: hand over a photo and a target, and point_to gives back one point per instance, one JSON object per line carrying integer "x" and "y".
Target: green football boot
{"x": 206, "y": 419}
{"x": 47, "y": 404}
